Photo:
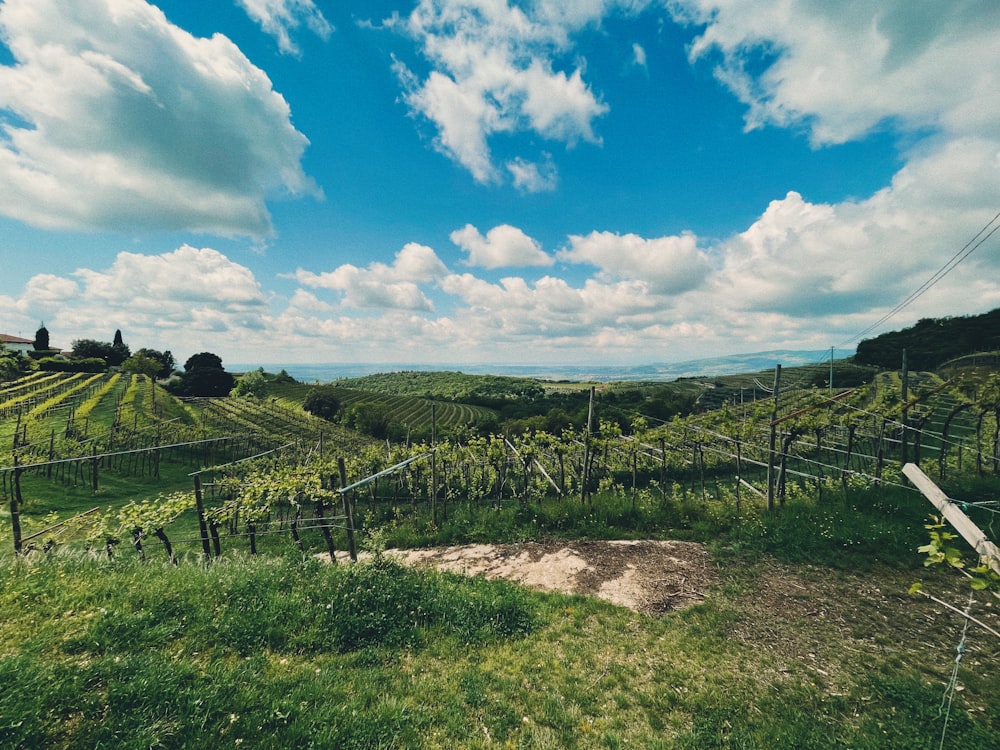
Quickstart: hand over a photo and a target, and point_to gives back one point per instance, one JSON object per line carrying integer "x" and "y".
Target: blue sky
{"x": 489, "y": 181}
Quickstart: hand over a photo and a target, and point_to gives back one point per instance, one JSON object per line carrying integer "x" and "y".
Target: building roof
{"x": 8, "y": 339}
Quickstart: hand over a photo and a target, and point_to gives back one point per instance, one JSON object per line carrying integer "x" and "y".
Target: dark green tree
{"x": 370, "y": 419}
{"x": 203, "y": 376}
{"x": 41, "y": 343}
{"x": 119, "y": 350}
{"x": 321, "y": 403}
{"x": 91, "y": 349}
{"x": 205, "y": 360}
{"x": 204, "y": 381}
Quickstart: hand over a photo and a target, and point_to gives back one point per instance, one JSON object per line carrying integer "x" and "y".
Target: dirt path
{"x": 646, "y": 576}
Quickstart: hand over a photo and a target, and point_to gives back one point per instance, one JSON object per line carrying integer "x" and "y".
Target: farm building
{"x": 17, "y": 344}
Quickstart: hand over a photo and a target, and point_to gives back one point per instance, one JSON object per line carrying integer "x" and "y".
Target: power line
{"x": 970, "y": 247}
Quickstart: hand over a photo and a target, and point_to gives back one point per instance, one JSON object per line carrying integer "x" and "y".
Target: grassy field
{"x": 282, "y": 652}
{"x": 807, "y": 640}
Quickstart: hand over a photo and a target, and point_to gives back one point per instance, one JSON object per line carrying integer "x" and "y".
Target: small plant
{"x": 940, "y": 551}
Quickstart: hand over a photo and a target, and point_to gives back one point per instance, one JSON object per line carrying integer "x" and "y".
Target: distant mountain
{"x": 736, "y": 364}
{"x": 710, "y": 367}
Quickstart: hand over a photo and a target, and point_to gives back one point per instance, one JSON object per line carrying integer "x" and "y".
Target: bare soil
{"x": 645, "y": 576}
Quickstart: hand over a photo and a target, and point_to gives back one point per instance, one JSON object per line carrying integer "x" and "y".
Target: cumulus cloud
{"x": 119, "y": 120}
{"x": 534, "y": 177}
{"x": 503, "y": 246}
{"x": 187, "y": 275}
{"x": 163, "y": 301}
{"x": 280, "y": 18}
{"x": 814, "y": 259}
{"x": 843, "y": 71}
{"x": 381, "y": 286}
{"x": 493, "y": 72}
{"x": 668, "y": 264}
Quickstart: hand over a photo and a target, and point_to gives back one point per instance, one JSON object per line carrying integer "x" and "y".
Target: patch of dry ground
{"x": 646, "y": 576}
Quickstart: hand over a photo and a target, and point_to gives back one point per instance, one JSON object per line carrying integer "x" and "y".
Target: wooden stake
{"x": 772, "y": 440}
{"x": 341, "y": 466}
{"x": 987, "y": 550}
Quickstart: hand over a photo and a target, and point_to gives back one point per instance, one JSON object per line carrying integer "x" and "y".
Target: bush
{"x": 85, "y": 364}
{"x": 252, "y": 384}
{"x": 321, "y": 403}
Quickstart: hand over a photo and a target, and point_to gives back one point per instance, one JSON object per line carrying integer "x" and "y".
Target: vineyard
{"x": 250, "y": 468}
{"x": 408, "y": 412}
{"x": 121, "y": 633}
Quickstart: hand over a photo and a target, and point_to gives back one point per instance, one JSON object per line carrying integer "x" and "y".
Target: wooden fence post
{"x": 15, "y": 507}
{"x": 772, "y": 440}
{"x": 202, "y": 526}
{"x": 987, "y": 550}
{"x": 327, "y": 536}
{"x": 904, "y": 458}
{"x": 341, "y": 466}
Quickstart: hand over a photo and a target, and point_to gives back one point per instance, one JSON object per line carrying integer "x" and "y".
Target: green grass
{"x": 288, "y": 652}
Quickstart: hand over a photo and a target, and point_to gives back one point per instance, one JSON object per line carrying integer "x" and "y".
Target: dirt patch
{"x": 646, "y": 576}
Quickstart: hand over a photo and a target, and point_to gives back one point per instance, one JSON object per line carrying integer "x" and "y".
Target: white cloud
{"x": 515, "y": 310}
{"x": 638, "y": 55}
{"x": 494, "y": 72}
{"x": 280, "y": 18}
{"x": 186, "y": 275}
{"x": 533, "y": 177}
{"x": 843, "y": 69}
{"x": 668, "y": 264}
{"x": 48, "y": 291}
{"x": 381, "y": 286}
{"x": 813, "y": 260}
{"x": 190, "y": 297}
{"x": 503, "y": 246}
{"x": 123, "y": 121}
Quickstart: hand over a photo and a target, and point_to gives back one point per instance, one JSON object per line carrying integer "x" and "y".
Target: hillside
{"x": 932, "y": 341}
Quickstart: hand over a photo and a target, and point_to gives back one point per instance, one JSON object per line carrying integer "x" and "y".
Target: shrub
{"x": 321, "y": 403}
{"x": 85, "y": 364}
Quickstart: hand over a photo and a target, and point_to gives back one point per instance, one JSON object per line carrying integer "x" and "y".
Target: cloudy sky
{"x": 495, "y": 181}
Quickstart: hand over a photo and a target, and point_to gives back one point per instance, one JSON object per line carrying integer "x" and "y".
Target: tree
{"x": 165, "y": 358}
{"x": 203, "y": 360}
{"x": 117, "y": 355}
{"x": 370, "y": 419}
{"x": 10, "y": 364}
{"x": 119, "y": 350}
{"x": 91, "y": 349}
{"x": 42, "y": 339}
{"x": 204, "y": 381}
{"x": 253, "y": 384}
{"x": 321, "y": 403}
{"x": 204, "y": 376}
{"x": 140, "y": 364}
